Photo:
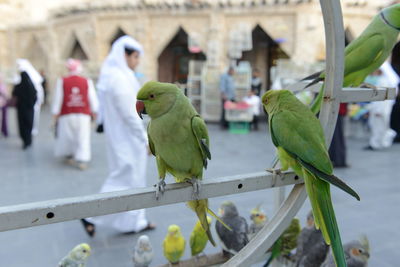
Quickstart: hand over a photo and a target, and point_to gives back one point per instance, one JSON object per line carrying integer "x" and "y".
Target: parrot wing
{"x": 304, "y": 141}
{"x": 199, "y": 129}
{"x": 356, "y": 54}
{"x": 151, "y": 144}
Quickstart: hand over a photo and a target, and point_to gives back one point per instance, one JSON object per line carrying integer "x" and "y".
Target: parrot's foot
{"x": 275, "y": 173}
{"x": 370, "y": 86}
{"x": 160, "y": 187}
{"x": 196, "y": 187}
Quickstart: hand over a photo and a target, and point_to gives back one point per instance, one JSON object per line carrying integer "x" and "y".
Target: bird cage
{"x": 59, "y": 210}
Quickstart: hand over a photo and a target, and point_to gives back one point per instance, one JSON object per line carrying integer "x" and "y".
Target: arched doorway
{"x": 173, "y": 62}
{"x": 76, "y": 51}
{"x": 264, "y": 54}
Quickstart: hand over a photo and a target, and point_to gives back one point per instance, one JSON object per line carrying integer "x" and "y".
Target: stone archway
{"x": 74, "y": 49}
{"x": 348, "y": 36}
{"x": 35, "y": 53}
{"x": 264, "y": 54}
{"x": 173, "y": 61}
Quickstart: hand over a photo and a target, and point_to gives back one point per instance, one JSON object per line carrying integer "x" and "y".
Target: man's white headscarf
{"x": 116, "y": 59}
{"x": 25, "y": 65}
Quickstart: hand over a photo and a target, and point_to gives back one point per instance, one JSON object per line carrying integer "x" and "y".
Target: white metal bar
{"x": 351, "y": 94}
{"x": 334, "y": 36}
{"x": 59, "y": 210}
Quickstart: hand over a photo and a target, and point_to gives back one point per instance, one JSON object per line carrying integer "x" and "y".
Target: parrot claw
{"x": 370, "y": 86}
{"x": 196, "y": 187}
{"x": 160, "y": 187}
{"x": 275, "y": 173}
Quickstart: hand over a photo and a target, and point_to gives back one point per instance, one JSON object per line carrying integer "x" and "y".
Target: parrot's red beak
{"x": 140, "y": 108}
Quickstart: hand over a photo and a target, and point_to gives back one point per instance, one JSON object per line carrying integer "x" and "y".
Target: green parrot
{"x": 299, "y": 138}
{"x": 366, "y": 53}
{"x": 174, "y": 244}
{"x": 198, "y": 238}
{"x": 286, "y": 242}
{"x": 76, "y": 257}
{"x": 178, "y": 138}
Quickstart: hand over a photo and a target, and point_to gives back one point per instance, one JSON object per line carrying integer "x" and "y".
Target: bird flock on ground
{"x": 179, "y": 140}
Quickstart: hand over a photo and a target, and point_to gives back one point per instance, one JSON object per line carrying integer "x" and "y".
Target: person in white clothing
{"x": 36, "y": 78}
{"x": 75, "y": 104}
{"x": 379, "y": 111}
{"x": 126, "y": 137}
{"x": 255, "y": 102}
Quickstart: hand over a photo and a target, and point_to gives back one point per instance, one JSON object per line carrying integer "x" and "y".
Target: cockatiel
{"x": 198, "y": 238}
{"x": 367, "y": 52}
{"x": 311, "y": 248}
{"x": 143, "y": 253}
{"x": 300, "y": 142}
{"x": 258, "y": 220}
{"x": 357, "y": 254}
{"x": 174, "y": 244}
{"x": 232, "y": 241}
{"x": 76, "y": 257}
{"x": 178, "y": 137}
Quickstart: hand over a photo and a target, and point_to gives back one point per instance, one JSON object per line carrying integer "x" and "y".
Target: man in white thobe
{"x": 75, "y": 103}
{"x": 126, "y": 137}
{"x": 379, "y": 111}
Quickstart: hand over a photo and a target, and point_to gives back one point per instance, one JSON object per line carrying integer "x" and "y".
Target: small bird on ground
{"x": 76, "y": 257}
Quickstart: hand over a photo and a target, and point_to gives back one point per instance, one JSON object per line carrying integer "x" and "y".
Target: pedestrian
{"x": 126, "y": 138}
{"x": 44, "y": 86}
{"x": 75, "y": 104}
{"x": 256, "y": 82}
{"x": 255, "y": 102}
{"x": 24, "y": 94}
{"x": 381, "y": 135}
{"x": 337, "y": 149}
{"x": 227, "y": 89}
{"x": 36, "y": 79}
{"x": 3, "y": 107}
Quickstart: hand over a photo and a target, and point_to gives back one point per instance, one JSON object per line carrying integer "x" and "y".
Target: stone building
{"x": 173, "y": 33}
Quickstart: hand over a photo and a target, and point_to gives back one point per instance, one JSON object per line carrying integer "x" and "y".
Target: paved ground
{"x": 35, "y": 175}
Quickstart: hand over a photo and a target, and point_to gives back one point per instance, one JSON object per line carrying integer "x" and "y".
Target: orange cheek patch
{"x": 355, "y": 252}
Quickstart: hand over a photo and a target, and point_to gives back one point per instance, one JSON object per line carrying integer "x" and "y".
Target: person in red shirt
{"x": 75, "y": 104}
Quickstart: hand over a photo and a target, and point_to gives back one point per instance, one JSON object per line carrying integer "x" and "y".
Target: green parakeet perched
{"x": 299, "y": 138}
{"x": 198, "y": 238}
{"x": 311, "y": 248}
{"x": 366, "y": 53}
{"x": 258, "y": 220}
{"x": 76, "y": 257}
{"x": 174, "y": 244}
{"x": 178, "y": 137}
{"x": 286, "y": 242}
{"x": 232, "y": 241}
{"x": 357, "y": 254}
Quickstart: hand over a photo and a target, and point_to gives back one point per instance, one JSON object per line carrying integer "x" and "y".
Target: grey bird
{"x": 356, "y": 253}
{"x": 143, "y": 253}
{"x": 231, "y": 241}
{"x": 311, "y": 248}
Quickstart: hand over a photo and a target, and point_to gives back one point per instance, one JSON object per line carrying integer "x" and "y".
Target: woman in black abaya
{"x": 25, "y": 96}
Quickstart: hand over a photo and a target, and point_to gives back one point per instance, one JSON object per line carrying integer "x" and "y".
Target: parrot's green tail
{"x": 324, "y": 215}
{"x": 201, "y": 207}
{"x": 316, "y": 105}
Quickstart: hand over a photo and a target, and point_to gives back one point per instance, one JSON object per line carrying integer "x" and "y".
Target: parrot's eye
{"x": 84, "y": 251}
{"x": 152, "y": 96}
